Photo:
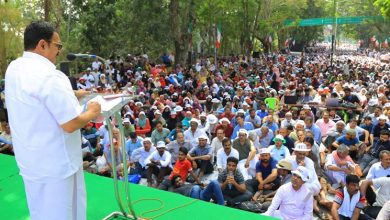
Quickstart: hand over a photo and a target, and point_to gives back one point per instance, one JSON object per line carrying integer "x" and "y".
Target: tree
{"x": 182, "y": 20}
{"x": 11, "y": 32}
{"x": 384, "y": 7}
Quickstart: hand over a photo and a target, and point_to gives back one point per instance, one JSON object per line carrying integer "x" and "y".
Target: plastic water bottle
{"x": 229, "y": 184}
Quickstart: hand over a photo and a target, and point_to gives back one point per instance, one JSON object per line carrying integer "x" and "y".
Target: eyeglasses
{"x": 58, "y": 45}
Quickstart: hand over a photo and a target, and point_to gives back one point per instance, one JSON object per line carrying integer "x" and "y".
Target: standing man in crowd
{"x": 45, "y": 126}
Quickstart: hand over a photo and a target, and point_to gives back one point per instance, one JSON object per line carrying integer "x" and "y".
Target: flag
{"x": 219, "y": 36}
{"x": 286, "y": 42}
{"x": 373, "y": 39}
{"x": 385, "y": 44}
{"x": 270, "y": 39}
{"x": 293, "y": 43}
{"x": 377, "y": 43}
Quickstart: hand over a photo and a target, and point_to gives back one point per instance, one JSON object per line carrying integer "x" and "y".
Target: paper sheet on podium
{"x": 107, "y": 102}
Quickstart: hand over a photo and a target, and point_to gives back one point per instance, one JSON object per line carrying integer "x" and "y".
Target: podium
{"x": 111, "y": 107}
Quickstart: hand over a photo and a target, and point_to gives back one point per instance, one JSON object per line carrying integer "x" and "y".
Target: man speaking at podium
{"x": 45, "y": 123}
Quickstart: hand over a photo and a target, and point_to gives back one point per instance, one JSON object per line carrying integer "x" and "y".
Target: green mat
{"x": 101, "y": 200}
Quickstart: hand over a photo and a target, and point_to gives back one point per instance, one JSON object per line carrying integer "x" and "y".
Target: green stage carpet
{"x": 101, "y": 200}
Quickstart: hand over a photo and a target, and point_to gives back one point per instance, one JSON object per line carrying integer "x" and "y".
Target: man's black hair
{"x": 352, "y": 179}
{"x": 232, "y": 159}
{"x": 36, "y": 31}
{"x": 183, "y": 150}
{"x": 173, "y": 180}
{"x": 385, "y": 132}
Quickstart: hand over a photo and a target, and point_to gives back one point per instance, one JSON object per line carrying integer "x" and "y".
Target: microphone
{"x": 229, "y": 184}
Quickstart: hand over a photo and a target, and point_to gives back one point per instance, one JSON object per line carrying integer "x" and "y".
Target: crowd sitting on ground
{"x": 281, "y": 133}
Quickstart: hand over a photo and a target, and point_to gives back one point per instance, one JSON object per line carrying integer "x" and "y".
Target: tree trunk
{"x": 47, "y": 10}
{"x": 179, "y": 27}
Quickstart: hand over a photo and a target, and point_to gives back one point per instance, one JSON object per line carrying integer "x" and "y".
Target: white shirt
{"x": 216, "y": 144}
{"x": 222, "y": 157}
{"x": 140, "y": 155}
{"x": 383, "y": 192}
{"x": 286, "y": 122}
{"x": 377, "y": 170}
{"x": 313, "y": 182}
{"x": 96, "y": 65}
{"x": 40, "y": 99}
{"x": 193, "y": 137}
{"x": 90, "y": 80}
{"x": 292, "y": 204}
{"x": 165, "y": 159}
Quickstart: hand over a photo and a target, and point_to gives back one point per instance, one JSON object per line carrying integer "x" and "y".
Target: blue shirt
{"x": 197, "y": 151}
{"x": 261, "y": 114}
{"x": 274, "y": 127}
{"x": 279, "y": 154}
{"x": 247, "y": 126}
{"x": 266, "y": 171}
{"x": 316, "y": 131}
{"x": 377, "y": 170}
{"x": 131, "y": 146}
{"x": 343, "y": 140}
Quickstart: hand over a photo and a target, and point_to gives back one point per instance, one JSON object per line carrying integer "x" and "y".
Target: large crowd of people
{"x": 283, "y": 132}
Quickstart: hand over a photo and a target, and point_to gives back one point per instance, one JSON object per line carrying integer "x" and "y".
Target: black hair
{"x": 385, "y": 132}
{"x": 173, "y": 180}
{"x": 36, "y": 31}
{"x": 183, "y": 150}
{"x": 352, "y": 179}
{"x": 225, "y": 140}
{"x": 309, "y": 140}
{"x": 232, "y": 159}
{"x": 133, "y": 135}
{"x": 179, "y": 125}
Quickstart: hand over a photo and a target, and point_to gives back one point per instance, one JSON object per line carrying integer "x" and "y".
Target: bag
{"x": 251, "y": 206}
{"x": 135, "y": 178}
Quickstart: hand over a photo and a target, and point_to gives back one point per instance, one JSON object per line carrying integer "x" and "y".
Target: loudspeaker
{"x": 64, "y": 67}
{"x": 256, "y": 54}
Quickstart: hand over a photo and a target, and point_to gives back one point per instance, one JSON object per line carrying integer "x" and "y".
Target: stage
{"x": 101, "y": 200}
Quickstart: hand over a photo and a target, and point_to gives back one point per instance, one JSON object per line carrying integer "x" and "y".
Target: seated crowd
{"x": 229, "y": 134}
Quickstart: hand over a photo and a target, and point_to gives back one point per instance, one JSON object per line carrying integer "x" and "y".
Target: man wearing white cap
{"x": 127, "y": 127}
{"x": 159, "y": 164}
{"x": 241, "y": 124}
{"x": 138, "y": 157}
{"x": 201, "y": 156}
{"x": 293, "y": 200}
{"x": 203, "y": 123}
{"x": 193, "y": 132}
{"x": 266, "y": 173}
{"x": 376, "y": 130}
{"x": 225, "y": 125}
{"x": 300, "y": 159}
{"x": 247, "y": 153}
{"x": 158, "y": 118}
{"x": 90, "y": 80}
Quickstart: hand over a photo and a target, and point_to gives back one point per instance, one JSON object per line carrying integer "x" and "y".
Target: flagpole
{"x": 215, "y": 47}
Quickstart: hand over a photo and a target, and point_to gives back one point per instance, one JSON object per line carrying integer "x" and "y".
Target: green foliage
{"x": 384, "y": 6}
{"x": 11, "y": 33}
{"x": 118, "y": 27}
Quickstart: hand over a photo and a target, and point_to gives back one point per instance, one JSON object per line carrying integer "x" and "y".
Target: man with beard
{"x": 266, "y": 173}
{"x": 349, "y": 202}
{"x": 293, "y": 200}
{"x": 382, "y": 125}
{"x": 372, "y": 156}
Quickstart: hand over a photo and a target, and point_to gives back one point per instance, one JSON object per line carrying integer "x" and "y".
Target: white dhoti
{"x": 62, "y": 200}
{"x": 249, "y": 172}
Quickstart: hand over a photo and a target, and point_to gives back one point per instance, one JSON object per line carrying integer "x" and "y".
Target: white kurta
{"x": 40, "y": 99}
{"x": 292, "y": 204}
